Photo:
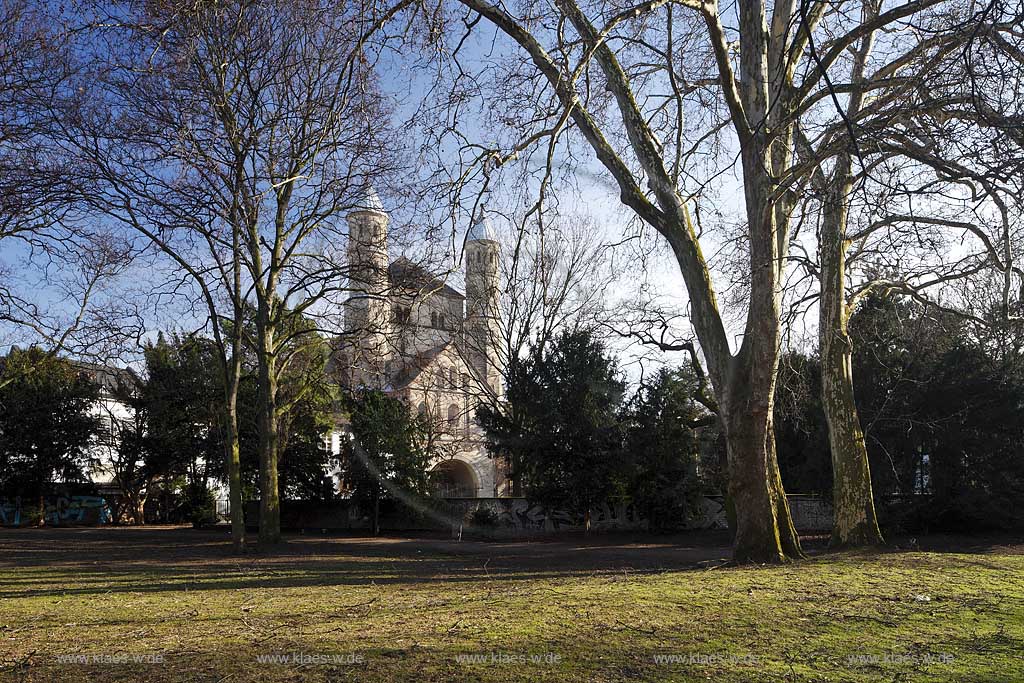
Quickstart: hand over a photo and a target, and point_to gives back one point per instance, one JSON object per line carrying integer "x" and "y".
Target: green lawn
{"x": 606, "y": 610}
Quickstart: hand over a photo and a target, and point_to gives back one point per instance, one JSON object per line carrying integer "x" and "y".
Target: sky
{"x": 407, "y": 84}
{"x": 592, "y": 195}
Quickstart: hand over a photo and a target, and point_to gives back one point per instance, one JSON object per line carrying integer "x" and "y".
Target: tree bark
{"x": 139, "y": 510}
{"x": 854, "y": 519}
{"x": 270, "y": 504}
{"x": 232, "y": 453}
{"x": 764, "y": 530}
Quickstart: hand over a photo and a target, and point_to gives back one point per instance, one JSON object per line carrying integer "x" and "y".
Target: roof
{"x": 105, "y": 377}
{"x": 408, "y": 275}
{"x": 481, "y": 229}
{"x": 413, "y": 367}
{"x": 368, "y": 200}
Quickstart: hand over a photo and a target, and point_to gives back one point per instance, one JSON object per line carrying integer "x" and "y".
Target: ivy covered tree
{"x": 381, "y": 461}
{"x": 662, "y": 446}
{"x": 47, "y": 423}
{"x": 801, "y": 432}
{"x": 560, "y": 430}
{"x": 943, "y": 414}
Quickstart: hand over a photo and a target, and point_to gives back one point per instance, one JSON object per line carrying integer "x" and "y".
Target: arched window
{"x": 440, "y": 321}
{"x": 433, "y": 319}
{"x": 453, "y": 379}
{"x": 440, "y": 379}
{"x": 453, "y": 415}
{"x": 422, "y": 409}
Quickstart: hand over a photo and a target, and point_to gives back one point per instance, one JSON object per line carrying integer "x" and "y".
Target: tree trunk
{"x": 270, "y": 504}
{"x": 764, "y": 526}
{"x": 764, "y": 530}
{"x": 376, "y": 515}
{"x": 854, "y": 520}
{"x": 138, "y": 509}
{"x": 232, "y": 453}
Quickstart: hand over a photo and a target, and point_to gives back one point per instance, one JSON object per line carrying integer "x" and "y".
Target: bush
{"x": 199, "y": 506}
{"x": 484, "y": 517}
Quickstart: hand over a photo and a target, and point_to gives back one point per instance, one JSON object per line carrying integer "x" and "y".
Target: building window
{"x": 453, "y": 379}
{"x": 422, "y": 409}
{"x": 440, "y": 321}
{"x": 922, "y": 475}
{"x": 453, "y": 416}
{"x": 433, "y": 319}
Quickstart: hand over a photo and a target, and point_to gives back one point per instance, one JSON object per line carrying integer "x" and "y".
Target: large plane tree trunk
{"x": 854, "y": 522}
{"x": 764, "y": 527}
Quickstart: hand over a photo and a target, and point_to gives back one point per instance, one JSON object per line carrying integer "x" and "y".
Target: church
{"x": 410, "y": 334}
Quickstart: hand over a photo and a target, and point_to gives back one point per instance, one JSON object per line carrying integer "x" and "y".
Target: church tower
{"x": 367, "y": 311}
{"x": 482, "y": 329}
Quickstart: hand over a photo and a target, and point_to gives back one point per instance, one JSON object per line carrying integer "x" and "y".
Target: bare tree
{"x": 660, "y": 93}
{"x": 49, "y": 247}
{"x": 889, "y": 187}
{"x": 235, "y": 137}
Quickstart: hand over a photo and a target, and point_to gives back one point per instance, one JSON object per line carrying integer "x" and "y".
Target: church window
{"x": 422, "y": 410}
{"x": 453, "y": 415}
{"x": 440, "y": 321}
{"x": 453, "y": 379}
{"x": 433, "y": 319}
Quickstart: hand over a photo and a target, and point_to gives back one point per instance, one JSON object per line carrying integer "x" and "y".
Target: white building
{"x": 415, "y": 337}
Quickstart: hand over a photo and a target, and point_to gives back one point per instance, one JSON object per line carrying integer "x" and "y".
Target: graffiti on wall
{"x": 57, "y": 511}
{"x": 810, "y": 513}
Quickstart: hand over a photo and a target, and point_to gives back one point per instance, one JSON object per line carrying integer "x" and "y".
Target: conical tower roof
{"x": 481, "y": 229}
{"x": 368, "y": 200}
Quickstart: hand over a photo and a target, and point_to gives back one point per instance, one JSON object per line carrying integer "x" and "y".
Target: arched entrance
{"x": 454, "y": 479}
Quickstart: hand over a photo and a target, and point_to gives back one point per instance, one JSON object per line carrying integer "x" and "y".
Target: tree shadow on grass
{"x": 92, "y": 561}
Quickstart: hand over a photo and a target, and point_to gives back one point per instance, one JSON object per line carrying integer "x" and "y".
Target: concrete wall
{"x": 519, "y": 517}
{"x": 505, "y": 516}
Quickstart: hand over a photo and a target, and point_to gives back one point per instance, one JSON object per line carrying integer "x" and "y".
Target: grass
{"x": 408, "y": 609}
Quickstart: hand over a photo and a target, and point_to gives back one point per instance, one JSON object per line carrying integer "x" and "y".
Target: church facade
{"x": 410, "y": 334}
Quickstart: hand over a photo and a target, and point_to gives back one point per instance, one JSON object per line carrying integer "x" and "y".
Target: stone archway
{"x": 454, "y": 479}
